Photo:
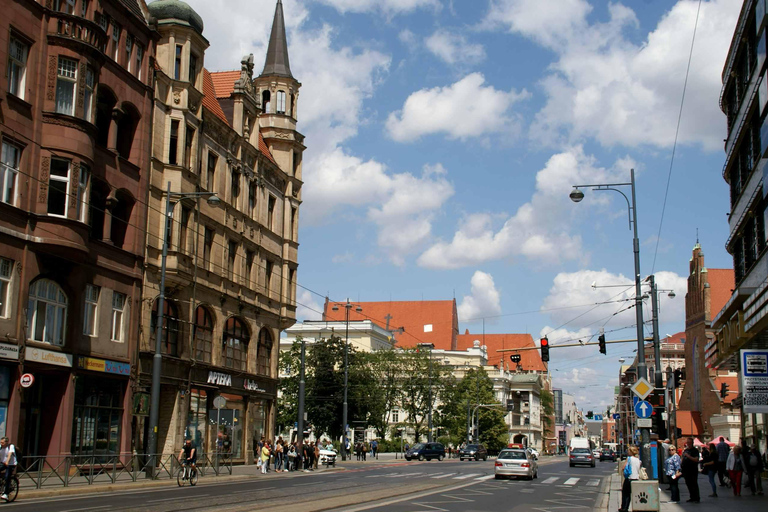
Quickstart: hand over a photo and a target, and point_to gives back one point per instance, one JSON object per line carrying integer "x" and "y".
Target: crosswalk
{"x": 563, "y": 481}
{"x": 570, "y": 482}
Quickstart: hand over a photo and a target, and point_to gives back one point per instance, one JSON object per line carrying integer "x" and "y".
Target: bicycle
{"x": 186, "y": 474}
{"x": 13, "y": 489}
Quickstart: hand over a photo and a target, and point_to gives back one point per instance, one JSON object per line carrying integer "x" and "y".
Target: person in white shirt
{"x": 7, "y": 463}
{"x": 633, "y": 473}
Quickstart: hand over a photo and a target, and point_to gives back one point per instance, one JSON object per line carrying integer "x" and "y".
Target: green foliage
{"x": 420, "y": 381}
{"x": 288, "y": 400}
{"x": 547, "y": 411}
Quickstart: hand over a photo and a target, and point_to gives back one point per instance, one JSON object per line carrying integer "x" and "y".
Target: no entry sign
{"x": 27, "y": 380}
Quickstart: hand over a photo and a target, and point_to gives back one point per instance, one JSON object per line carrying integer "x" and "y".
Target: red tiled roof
{"x": 423, "y": 321}
{"x": 265, "y": 149}
{"x": 690, "y": 423}
{"x": 733, "y": 387}
{"x": 209, "y": 97}
{"x": 721, "y": 284}
{"x": 678, "y": 337}
{"x": 529, "y": 359}
{"x": 224, "y": 82}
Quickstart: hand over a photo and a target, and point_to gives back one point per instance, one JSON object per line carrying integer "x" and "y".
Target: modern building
{"x": 230, "y": 279}
{"x": 75, "y": 120}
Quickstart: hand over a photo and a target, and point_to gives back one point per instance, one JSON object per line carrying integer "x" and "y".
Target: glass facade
{"x": 196, "y": 421}
{"x": 229, "y": 426}
{"x": 98, "y": 416}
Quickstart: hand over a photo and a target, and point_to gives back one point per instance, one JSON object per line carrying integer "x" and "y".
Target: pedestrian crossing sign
{"x": 642, "y": 388}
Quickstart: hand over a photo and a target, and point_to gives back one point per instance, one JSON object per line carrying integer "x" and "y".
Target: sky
{"x": 444, "y": 136}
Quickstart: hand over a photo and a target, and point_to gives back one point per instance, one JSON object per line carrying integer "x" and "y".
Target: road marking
{"x": 463, "y": 477}
{"x": 550, "y": 480}
{"x": 571, "y": 481}
{"x": 486, "y": 477}
{"x": 593, "y": 483}
{"x": 177, "y": 498}
{"x": 89, "y": 508}
{"x": 443, "y": 476}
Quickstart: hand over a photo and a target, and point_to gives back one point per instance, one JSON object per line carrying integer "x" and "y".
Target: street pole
{"x": 469, "y": 422}
{"x": 429, "y": 395}
{"x": 658, "y": 376}
{"x": 346, "y": 383}
{"x": 302, "y": 383}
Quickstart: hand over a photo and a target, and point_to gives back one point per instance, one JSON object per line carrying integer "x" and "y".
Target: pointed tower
{"x": 278, "y": 93}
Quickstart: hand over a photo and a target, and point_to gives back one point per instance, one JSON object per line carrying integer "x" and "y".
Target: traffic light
{"x": 545, "y": 349}
{"x": 515, "y": 358}
{"x": 678, "y": 376}
{"x": 601, "y": 340}
{"x": 589, "y": 415}
{"x": 723, "y": 390}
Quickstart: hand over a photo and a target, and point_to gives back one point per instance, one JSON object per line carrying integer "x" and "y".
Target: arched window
{"x": 126, "y": 129}
{"x": 235, "y": 346}
{"x": 264, "y": 352}
{"x": 121, "y": 217}
{"x": 169, "y": 339}
{"x": 47, "y": 312}
{"x": 266, "y": 96}
{"x": 281, "y": 102}
{"x": 203, "y": 334}
{"x": 105, "y": 103}
{"x": 97, "y": 206}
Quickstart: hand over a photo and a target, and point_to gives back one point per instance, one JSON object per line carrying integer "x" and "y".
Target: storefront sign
{"x": 220, "y": 379}
{"x": 251, "y": 385}
{"x": 27, "y": 380}
{"x": 40, "y": 355}
{"x": 104, "y": 366}
{"x": 754, "y": 381}
{"x": 9, "y": 351}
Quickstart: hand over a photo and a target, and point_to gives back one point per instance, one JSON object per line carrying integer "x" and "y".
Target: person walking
{"x": 7, "y": 464}
{"x": 673, "y": 472}
{"x": 265, "y": 452}
{"x": 690, "y": 470}
{"x": 723, "y": 450}
{"x": 709, "y": 466}
{"x": 754, "y": 461}
{"x": 735, "y": 466}
{"x": 631, "y": 472}
{"x": 364, "y": 449}
{"x": 374, "y": 449}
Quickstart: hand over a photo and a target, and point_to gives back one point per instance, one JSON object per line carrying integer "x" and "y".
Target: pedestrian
{"x": 291, "y": 458}
{"x": 279, "y": 455}
{"x": 672, "y": 470}
{"x": 756, "y": 466}
{"x": 374, "y": 449}
{"x": 256, "y": 447}
{"x": 7, "y": 464}
{"x": 690, "y": 469}
{"x": 723, "y": 450}
{"x": 709, "y": 466}
{"x": 631, "y": 472}
{"x": 364, "y": 449}
{"x": 316, "y": 453}
{"x": 735, "y": 466}
{"x": 265, "y": 452}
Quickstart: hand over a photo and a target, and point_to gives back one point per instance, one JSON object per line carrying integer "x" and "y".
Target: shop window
{"x": 119, "y": 301}
{"x": 197, "y": 419}
{"x": 229, "y": 439}
{"x": 82, "y": 192}
{"x": 203, "y": 334}
{"x": 47, "y": 312}
{"x": 105, "y": 104}
{"x": 5, "y": 395}
{"x": 169, "y": 338}
{"x": 90, "y": 78}
{"x": 265, "y": 99}
{"x": 235, "y": 344}
{"x": 58, "y": 187}
{"x": 91, "y": 310}
{"x": 264, "y": 353}
{"x": 98, "y": 416}
{"x": 9, "y": 171}
{"x": 6, "y": 271}
{"x": 281, "y": 102}
{"x": 121, "y": 217}
{"x": 17, "y": 67}
{"x": 65, "y": 86}
{"x": 211, "y": 174}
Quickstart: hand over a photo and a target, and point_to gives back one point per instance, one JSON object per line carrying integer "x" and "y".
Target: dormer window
{"x": 281, "y": 102}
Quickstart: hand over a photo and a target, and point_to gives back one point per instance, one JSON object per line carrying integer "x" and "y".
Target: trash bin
{"x": 645, "y": 495}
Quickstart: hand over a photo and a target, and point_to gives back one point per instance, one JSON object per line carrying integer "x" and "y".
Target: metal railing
{"x": 72, "y": 470}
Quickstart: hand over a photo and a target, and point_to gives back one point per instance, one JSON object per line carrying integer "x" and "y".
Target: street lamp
{"x": 431, "y": 347}
{"x": 157, "y": 359}
{"x": 576, "y": 196}
{"x": 347, "y": 307}
{"x": 657, "y": 375}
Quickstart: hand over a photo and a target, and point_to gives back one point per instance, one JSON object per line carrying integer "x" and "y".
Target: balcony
{"x": 80, "y": 29}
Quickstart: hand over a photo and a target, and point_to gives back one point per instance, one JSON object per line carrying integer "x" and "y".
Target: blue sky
{"x": 444, "y": 136}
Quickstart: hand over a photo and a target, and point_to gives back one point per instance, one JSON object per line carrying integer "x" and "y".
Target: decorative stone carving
{"x": 45, "y": 169}
{"x": 51, "y": 85}
{"x": 81, "y": 89}
{"x": 67, "y": 122}
{"x": 74, "y": 178}
{"x": 177, "y": 97}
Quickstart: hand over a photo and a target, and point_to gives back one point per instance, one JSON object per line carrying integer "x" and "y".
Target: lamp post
{"x": 576, "y": 196}
{"x": 347, "y": 306}
{"x": 431, "y": 347}
{"x": 657, "y": 375}
{"x": 157, "y": 359}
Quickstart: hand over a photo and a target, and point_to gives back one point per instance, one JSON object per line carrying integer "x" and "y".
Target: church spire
{"x": 277, "y": 52}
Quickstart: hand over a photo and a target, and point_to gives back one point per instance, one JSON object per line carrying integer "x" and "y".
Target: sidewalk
{"x": 725, "y": 500}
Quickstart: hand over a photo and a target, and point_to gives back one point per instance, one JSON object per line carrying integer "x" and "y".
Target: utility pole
{"x": 658, "y": 380}
{"x": 300, "y": 422}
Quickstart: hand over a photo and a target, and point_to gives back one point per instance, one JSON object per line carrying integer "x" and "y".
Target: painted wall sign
{"x": 9, "y": 351}
{"x": 101, "y": 365}
{"x": 40, "y": 355}
{"x": 220, "y": 379}
{"x": 754, "y": 380}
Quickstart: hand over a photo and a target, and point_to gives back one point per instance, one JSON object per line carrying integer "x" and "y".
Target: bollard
{"x": 645, "y": 495}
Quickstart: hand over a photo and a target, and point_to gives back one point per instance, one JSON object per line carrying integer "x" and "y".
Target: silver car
{"x": 516, "y": 462}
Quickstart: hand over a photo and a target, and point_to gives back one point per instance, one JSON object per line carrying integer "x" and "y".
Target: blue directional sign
{"x": 635, "y": 399}
{"x": 616, "y": 416}
{"x": 598, "y": 417}
{"x": 643, "y": 409}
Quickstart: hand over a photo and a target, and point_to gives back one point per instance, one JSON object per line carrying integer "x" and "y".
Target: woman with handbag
{"x": 672, "y": 470}
{"x": 735, "y": 467}
{"x": 709, "y": 466}
{"x": 631, "y": 472}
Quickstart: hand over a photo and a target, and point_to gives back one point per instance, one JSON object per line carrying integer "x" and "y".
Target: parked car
{"x": 596, "y": 453}
{"x": 582, "y": 456}
{"x": 426, "y": 451}
{"x": 327, "y": 458}
{"x": 473, "y": 451}
{"x": 607, "y": 454}
{"x": 515, "y": 462}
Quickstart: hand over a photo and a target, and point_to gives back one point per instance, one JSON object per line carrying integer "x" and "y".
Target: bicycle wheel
{"x": 181, "y": 478}
{"x": 192, "y": 477}
{"x": 13, "y": 489}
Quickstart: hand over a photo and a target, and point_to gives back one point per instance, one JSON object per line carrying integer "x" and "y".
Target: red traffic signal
{"x": 544, "y": 349}
{"x": 544, "y": 342}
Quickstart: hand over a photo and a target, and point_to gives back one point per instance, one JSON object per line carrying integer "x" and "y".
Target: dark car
{"x": 426, "y": 451}
{"x": 473, "y": 451}
{"x": 582, "y": 456}
{"x": 607, "y": 454}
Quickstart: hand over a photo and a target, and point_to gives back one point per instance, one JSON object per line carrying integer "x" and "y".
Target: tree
{"x": 288, "y": 398}
{"x": 547, "y": 412}
{"x": 387, "y": 369}
{"x": 420, "y": 380}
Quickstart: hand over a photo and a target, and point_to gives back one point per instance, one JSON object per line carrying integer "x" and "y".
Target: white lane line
{"x": 177, "y": 498}
{"x": 89, "y": 508}
{"x": 550, "y": 480}
{"x": 571, "y": 481}
{"x": 464, "y": 477}
{"x": 593, "y": 483}
{"x": 444, "y": 476}
{"x": 486, "y": 477}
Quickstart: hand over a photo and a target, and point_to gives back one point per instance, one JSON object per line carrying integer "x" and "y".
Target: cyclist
{"x": 7, "y": 464}
{"x": 188, "y": 454}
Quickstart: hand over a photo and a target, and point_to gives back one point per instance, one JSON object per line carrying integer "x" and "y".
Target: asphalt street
{"x": 449, "y": 485}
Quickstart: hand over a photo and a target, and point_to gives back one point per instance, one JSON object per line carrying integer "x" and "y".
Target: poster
{"x": 754, "y": 380}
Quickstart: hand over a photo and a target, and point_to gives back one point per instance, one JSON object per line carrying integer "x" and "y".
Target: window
{"x": 211, "y": 177}
{"x": 252, "y": 191}
{"x": 264, "y": 353}
{"x": 248, "y": 266}
{"x": 231, "y": 255}
{"x": 65, "y": 86}
{"x": 128, "y": 50}
{"x": 58, "y": 187}
{"x": 90, "y": 313}
{"x": 192, "y": 68}
{"x": 169, "y": 338}
{"x": 115, "y": 40}
{"x": 126, "y": 130}
{"x": 119, "y": 301}
{"x": 271, "y": 212}
{"x": 82, "y": 193}
{"x": 67, "y": 6}
{"x": 207, "y": 248}
{"x": 291, "y": 277}
{"x": 177, "y": 63}
{"x": 268, "y": 277}
{"x": 235, "y": 344}
{"x": 6, "y": 270}
{"x": 396, "y": 416}
{"x": 17, "y": 67}
{"x": 189, "y": 137}
{"x": 294, "y": 213}
{"x": 281, "y": 102}
{"x": 9, "y": 170}
{"x": 103, "y": 21}
{"x": 46, "y": 312}
{"x": 184, "y": 228}
{"x": 203, "y": 334}
{"x": 265, "y": 99}
{"x": 139, "y": 56}
{"x": 97, "y": 417}
{"x": 88, "y": 95}
{"x": 173, "y": 144}
{"x": 235, "y": 188}
{"x": 83, "y": 8}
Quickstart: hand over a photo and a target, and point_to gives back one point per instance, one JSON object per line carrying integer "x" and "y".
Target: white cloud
{"x": 406, "y": 36}
{"x": 606, "y": 86}
{"x": 539, "y": 230}
{"x": 307, "y": 307}
{"x": 453, "y": 48}
{"x": 462, "y": 110}
{"x": 388, "y": 7}
{"x": 484, "y": 301}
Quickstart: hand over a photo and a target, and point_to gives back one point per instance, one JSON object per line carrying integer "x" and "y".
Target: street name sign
{"x": 642, "y": 388}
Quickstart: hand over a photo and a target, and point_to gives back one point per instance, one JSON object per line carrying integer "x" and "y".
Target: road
{"x": 395, "y": 487}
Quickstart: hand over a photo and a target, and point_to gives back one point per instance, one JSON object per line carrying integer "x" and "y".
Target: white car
{"x": 596, "y": 453}
{"x": 534, "y": 452}
{"x": 327, "y": 458}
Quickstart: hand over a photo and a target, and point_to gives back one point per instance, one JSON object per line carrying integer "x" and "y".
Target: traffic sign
{"x": 635, "y": 399}
{"x": 27, "y": 380}
{"x": 642, "y": 388}
{"x": 616, "y": 416}
{"x": 643, "y": 409}
{"x": 219, "y": 402}
{"x": 644, "y": 422}
{"x": 598, "y": 417}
